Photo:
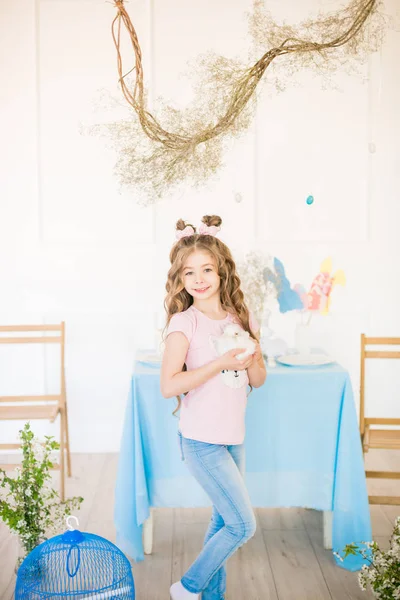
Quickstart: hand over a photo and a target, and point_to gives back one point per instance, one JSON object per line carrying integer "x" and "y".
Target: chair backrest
{"x": 57, "y": 337}
{"x": 367, "y": 354}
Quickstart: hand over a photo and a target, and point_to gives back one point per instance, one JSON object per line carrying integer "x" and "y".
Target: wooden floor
{"x": 285, "y": 559}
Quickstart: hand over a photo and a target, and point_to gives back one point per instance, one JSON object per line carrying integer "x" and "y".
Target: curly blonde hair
{"x": 231, "y": 296}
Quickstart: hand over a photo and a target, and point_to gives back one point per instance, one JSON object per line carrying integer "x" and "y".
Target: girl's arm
{"x": 257, "y": 373}
{"x": 173, "y": 380}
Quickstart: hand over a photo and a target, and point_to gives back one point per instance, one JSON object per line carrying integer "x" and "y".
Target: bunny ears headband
{"x": 203, "y": 230}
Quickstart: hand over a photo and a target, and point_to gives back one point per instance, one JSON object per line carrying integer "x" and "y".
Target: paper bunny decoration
{"x": 287, "y": 297}
{"x": 233, "y": 337}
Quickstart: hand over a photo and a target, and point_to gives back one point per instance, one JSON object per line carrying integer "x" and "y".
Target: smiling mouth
{"x": 202, "y": 289}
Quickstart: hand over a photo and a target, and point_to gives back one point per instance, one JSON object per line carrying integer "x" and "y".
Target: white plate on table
{"x": 305, "y": 360}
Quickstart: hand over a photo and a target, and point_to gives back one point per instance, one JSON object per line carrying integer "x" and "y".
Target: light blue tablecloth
{"x": 302, "y": 450}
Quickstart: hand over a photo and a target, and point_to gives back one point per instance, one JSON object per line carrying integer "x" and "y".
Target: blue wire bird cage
{"x": 76, "y": 565}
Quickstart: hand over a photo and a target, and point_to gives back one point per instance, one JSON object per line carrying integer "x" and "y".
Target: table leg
{"x": 148, "y": 534}
{"x": 327, "y": 519}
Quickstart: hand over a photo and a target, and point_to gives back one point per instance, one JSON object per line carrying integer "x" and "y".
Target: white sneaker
{"x": 178, "y": 592}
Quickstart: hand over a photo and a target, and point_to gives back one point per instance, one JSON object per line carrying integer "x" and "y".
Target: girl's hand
{"x": 255, "y": 358}
{"x": 258, "y": 352}
{"x": 228, "y": 361}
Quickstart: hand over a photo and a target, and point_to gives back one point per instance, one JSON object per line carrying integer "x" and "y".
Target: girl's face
{"x": 200, "y": 276}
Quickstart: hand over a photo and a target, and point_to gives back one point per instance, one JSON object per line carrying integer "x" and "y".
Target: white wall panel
{"x": 80, "y": 201}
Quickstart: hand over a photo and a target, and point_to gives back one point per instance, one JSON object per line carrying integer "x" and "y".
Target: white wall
{"x": 73, "y": 248}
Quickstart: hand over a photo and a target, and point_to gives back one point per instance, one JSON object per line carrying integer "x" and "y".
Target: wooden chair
{"x": 47, "y": 406}
{"x": 378, "y": 438}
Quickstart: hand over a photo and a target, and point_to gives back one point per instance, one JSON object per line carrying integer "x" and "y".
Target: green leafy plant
{"x": 28, "y": 504}
{"x": 382, "y": 571}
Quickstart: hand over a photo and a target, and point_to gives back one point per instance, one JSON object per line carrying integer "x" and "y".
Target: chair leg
{"x": 365, "y": 439}
{"x": 62, "y": 455}
{"x": 69, "y": 471}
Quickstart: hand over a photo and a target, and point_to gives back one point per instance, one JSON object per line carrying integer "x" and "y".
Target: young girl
{"x": 203, "y": 296}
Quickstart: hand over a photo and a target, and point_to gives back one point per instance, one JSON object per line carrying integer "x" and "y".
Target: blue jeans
{"x": 219, "y": 469}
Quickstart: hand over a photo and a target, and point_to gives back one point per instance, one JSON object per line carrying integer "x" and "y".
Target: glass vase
{"x": 303, "y": 338}
{"x": 21, "y": 552}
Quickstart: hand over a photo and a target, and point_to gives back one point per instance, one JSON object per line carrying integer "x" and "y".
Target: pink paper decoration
{"x": 322, "y": 285}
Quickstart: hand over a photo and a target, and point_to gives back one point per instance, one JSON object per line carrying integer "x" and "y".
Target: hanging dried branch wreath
{"x": 189, "y": 144}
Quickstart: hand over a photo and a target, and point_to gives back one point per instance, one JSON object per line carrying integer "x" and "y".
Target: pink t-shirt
{"x": 214, "y": 412}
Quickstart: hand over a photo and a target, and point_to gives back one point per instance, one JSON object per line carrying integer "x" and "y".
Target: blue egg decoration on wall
{"x": 310, "y": 200}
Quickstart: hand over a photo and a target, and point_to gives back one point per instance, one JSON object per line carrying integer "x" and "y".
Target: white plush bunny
{"x": 233, "y": 337}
